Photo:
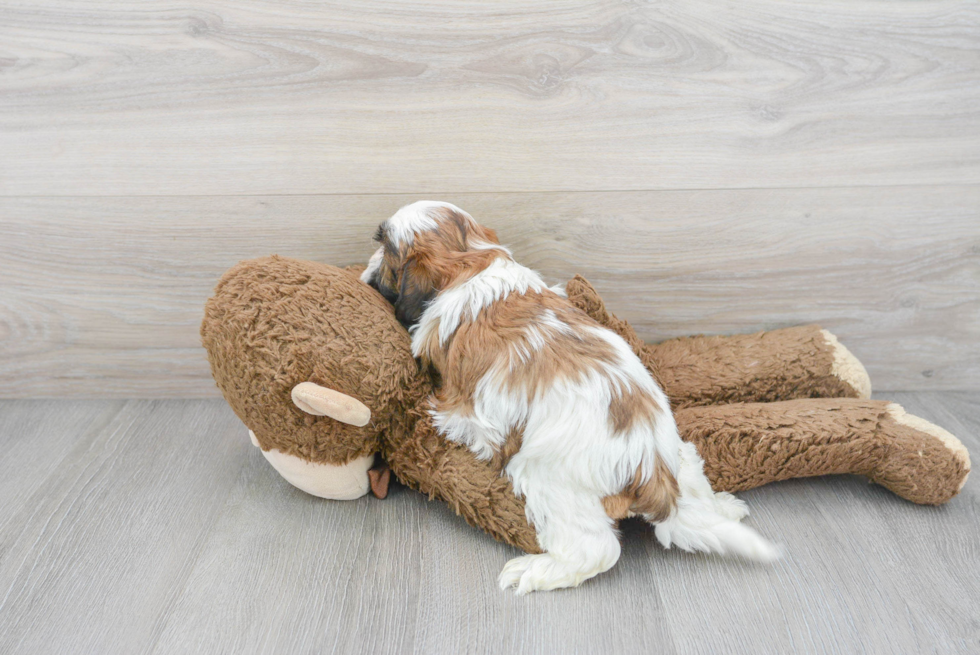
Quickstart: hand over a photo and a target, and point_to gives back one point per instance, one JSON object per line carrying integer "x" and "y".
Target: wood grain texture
{"x": 162, "y": 530}
{"x": 36, "y": 442}
{"x": 103, "y": 296}
{"x": 309, "y": 575}
{"x": 288, "y": 96}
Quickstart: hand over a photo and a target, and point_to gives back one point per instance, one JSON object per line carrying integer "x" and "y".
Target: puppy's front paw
{"x": 541, "y": 573}
{"x": 510, "y": 576}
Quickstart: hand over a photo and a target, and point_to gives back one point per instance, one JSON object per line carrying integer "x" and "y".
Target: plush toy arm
{"x": 798, "y": 362}
{"x": 749, "y": 445}
{"x": 473, "y": 488}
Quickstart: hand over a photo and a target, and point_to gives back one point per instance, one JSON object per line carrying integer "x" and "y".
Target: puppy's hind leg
{"x": 706, "y": 521}
{"x": 578, "y": 538}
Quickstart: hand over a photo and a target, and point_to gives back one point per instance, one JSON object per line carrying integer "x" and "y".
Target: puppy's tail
{"x": 707, "y": 521}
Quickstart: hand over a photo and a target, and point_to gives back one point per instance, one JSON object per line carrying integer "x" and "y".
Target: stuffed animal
{"x": 315, "y": 364}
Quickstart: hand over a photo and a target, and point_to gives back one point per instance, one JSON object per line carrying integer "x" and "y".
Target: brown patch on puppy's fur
{"x": 498, "y": 341}
{"x": 630, "y": 408}
{"x": 435, "y": 260}
{"x": 510, "y": 448}
{"x": 617, "y": 507}
{"x": 654, "y": 499}
{"x": 448, "y": 219}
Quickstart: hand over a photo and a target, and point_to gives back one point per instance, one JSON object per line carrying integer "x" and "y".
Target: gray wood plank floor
{"x": 154, "y": 527}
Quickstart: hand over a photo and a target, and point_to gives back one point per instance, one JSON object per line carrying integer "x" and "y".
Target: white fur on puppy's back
{"x": 707, "y": 521}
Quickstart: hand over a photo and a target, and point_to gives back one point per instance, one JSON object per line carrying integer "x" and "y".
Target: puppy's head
{"x": 427, "y": 247}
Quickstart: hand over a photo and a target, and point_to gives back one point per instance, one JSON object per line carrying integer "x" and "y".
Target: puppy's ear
{"x": 417, "y": 288}
{"x": 491, "y": 235}
{"x": 486, "y": 233}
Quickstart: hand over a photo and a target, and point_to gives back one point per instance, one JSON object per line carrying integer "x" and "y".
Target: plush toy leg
{"x": 345, "y": 482}
{"x": 749, "y": 445}
{"x": 441, "y": 468}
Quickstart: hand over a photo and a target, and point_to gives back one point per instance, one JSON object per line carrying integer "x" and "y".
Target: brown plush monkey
{"x": 315, "y": 364}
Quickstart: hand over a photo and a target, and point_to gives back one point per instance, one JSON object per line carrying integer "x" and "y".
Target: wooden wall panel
{"x": 103, "y": 296}
{"x": 120, "y": 97}
{"x": 713, "y": 166}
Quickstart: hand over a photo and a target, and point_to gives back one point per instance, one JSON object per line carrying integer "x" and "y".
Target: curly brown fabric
{"x": 266, "y": 330}
{"x": 275, "y": 322}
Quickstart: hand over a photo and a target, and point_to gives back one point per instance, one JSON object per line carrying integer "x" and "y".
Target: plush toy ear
{"x": 321, "y": 401}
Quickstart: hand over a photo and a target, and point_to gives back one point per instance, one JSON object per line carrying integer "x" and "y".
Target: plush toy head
{"x": 314, "y": 363}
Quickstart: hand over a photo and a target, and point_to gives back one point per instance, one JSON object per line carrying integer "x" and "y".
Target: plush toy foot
{"x": 847, "y": 368}
{"x": 925, "y": 463}
{"x": 344, "y": 482}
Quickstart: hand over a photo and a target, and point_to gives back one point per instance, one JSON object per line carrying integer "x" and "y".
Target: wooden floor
{"x": 155, "y": 527}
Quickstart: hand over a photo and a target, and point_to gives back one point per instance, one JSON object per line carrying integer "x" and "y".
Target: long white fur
{"x": 570, "y": 458}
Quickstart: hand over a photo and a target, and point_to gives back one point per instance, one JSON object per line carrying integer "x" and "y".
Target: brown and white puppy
{"x": 561, "y": 404}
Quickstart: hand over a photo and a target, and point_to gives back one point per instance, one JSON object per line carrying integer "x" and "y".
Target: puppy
{"x": 558, "y": 403}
